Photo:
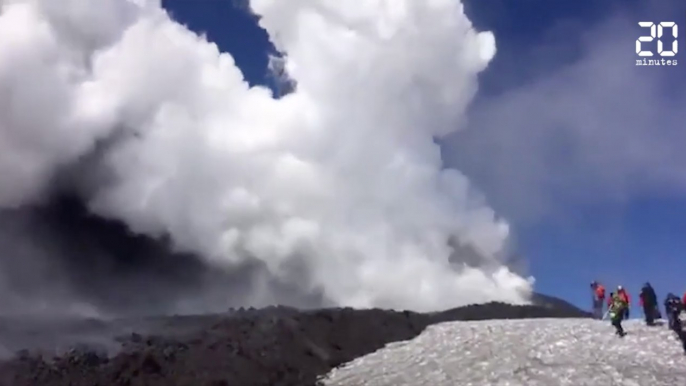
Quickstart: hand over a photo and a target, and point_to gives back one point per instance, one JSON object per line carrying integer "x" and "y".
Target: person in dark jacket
{"x": 674, "y": 308}
{"x": 648, "y": 300}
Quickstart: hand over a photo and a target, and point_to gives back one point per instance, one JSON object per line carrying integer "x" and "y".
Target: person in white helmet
{"x": 625, "y": 296}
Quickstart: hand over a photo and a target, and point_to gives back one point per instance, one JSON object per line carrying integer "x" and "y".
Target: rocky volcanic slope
{"x": 276, "y": 346}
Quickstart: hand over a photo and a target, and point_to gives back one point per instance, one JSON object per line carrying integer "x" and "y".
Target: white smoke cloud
{"x": 337, "y": 187}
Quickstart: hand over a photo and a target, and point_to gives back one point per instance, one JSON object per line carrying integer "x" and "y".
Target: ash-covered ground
{"x": 271, "y": 346}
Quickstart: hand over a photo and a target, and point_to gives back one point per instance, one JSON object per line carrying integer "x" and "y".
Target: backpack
{"x": 617, "y": 306}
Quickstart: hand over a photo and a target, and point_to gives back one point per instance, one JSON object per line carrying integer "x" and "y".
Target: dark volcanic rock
{"x": 277, "y": 347}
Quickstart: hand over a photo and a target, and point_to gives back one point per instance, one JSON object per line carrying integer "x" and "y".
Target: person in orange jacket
{"x": 598, "y": 295}
{"x": 625, "y": 296}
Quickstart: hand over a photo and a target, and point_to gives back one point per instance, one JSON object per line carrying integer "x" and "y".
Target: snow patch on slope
{"x": 543, "y": 352}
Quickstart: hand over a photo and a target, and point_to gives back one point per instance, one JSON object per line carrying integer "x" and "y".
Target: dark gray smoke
{"x": 57, "y": 258}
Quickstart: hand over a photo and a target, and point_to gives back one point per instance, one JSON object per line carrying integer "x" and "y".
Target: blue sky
{"x": 589, "y": 170}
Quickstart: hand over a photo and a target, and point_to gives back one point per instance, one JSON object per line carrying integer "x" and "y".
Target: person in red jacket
{"x": 598, "y": 295}
{"x": 625, "y": 296}
{"x": 684, "y": 299}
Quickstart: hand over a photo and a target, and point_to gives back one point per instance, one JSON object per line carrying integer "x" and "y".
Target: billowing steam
{"x": 335, "y": 189}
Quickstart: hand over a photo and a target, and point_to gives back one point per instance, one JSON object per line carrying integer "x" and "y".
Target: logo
{"x": 666, "y": 51}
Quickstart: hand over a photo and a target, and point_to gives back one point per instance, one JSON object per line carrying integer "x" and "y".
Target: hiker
{"x": 648, "y": 300}
{"x": 598, "y": 296}
{"x": 617, "y": 311}
{"x": 609, "y": 301}
{"x": 625, "y": 296}
{"x": 674, "y": 307}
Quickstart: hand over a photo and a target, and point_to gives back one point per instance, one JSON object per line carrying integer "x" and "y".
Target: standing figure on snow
{"x": 674, "y": 308}
{"x": 617, "y": 311}
{"x": 609, "y": 303}
{"x": 598, "y": 295}
{"x": 625, "y": 296}
{"x": 648, "y": 300}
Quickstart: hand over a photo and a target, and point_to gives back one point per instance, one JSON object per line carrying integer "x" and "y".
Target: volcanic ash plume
{"x": 336, "y": 188}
